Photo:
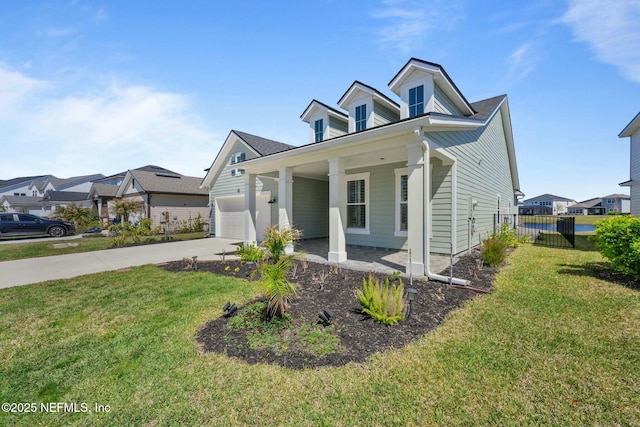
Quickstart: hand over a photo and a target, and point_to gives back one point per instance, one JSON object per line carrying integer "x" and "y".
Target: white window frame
{"x": 238, "y": 157}
{"x": 399, "y": 173}
{"x": 367, "y": 206}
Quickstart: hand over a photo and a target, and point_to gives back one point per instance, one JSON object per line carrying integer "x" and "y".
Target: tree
{"x": 125, "y": 207}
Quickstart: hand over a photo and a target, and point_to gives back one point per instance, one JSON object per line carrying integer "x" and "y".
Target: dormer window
{"x": 237, "y": 158}
{"x": 361, "y": 117}
{"x": 319, "y": 130}
{"x": 416, "y": 101}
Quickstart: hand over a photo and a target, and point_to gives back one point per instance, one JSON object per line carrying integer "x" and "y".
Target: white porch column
{"x": 285, "y": 201}
{"x": 416, "y": 215}
{"x": 249, "y": 208}
{"x": 337, "y": 210}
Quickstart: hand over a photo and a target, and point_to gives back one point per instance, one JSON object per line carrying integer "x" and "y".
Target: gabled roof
{"x": 22, "y": 200}
{"x": 617, "y": 196}
{"x": 20, "y": 180}
{"x": 61, "y": 183}
{"x": 315, "y": 105}
{"x": 65, "y": 196}
{"x": 262, "y": 146}
{"x": 440, "y": 77}
{"x": 103, "y": 190}
{"x": 376, "y": 94}
{"x": 485, "y": 108}
{"x": 631, "y": 128}
{"x": 597, "y": 201}
{"x": 548, "y": 197}
{"x": 164, "y": 183}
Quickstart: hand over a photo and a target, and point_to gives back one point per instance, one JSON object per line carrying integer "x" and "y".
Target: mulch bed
{"x": 332, "y": 288}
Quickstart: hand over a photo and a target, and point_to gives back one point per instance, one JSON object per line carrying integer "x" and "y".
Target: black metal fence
{"x": 545, "y": 230}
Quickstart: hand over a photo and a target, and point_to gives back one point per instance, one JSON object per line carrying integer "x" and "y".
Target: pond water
{"x": 552, "y": 227}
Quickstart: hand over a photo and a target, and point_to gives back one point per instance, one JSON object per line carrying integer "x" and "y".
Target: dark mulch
{"x": 323, "y": 287}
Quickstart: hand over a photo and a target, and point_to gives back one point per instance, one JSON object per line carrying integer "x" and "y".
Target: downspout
{"x": 427, "y": 211}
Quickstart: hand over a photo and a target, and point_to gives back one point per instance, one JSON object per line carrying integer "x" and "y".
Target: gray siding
{"x": 441, "y": 192}
{"x": 483, "y": 173}
{"x": 337, "y": 128}
{"x": 635, "y": 173}
{"x": 227, "y": 185}
{"x": 443, "y": 105}
{"x": 383, "y": 115}
{"x": 311, "y": 207}
{"x": 382, "y": 209}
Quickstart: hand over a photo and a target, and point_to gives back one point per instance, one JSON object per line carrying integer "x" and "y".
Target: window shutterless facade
{"x": 402, "y": 193}
{"x": 361, "y": 117}
{"x": 358, "y": 203}
{"x": 416, "y": 101}
{"x": 319, "y": 130}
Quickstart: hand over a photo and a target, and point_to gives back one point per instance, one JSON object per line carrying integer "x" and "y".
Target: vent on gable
{"x": 167, "y": 176}
{"x": 237, "y": 172}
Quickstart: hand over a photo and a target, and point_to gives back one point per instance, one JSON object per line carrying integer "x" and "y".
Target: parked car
{"x": 20, "y": 224}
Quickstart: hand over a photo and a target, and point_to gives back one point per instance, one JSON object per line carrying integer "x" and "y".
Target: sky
{"x": 102, "y": 87}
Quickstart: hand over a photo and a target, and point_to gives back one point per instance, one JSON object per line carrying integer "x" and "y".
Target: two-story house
{"x": 424, "y": 173}
{"x": 546, "y": 204}
{"x": 632, "y": 131}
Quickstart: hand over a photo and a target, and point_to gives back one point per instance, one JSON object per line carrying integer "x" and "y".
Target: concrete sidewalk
{"x": 35, "y": 270}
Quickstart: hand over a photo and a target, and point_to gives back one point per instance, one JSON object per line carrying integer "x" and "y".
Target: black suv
{"x": 20, "y": 224}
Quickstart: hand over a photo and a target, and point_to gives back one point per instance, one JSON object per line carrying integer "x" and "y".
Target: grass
{"x": 15, "y": 251}
{"x": 553, "y": 345}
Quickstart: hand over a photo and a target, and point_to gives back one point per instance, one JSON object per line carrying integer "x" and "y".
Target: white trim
{"x": 367, "y": 206}
{"x": 399, "y": 173}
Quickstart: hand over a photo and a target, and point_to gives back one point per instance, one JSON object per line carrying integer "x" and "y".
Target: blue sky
{"x": 88, "y": 87}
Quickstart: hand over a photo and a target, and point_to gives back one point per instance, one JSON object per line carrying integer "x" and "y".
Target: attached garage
{"x": 229, "y": 216}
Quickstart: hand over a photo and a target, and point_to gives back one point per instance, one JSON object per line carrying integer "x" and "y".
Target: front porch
{"x": 363, "y": 258}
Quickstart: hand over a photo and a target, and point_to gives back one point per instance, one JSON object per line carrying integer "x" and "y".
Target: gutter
{"x": 426, "y": 209}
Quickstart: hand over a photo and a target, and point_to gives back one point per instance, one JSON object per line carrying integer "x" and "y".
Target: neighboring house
{"x": 165, "y": 194}
{"x": 62, "y": 199}
{"x": 425, "y": 174}
{"x": 632, "y": 131}
{"x": 24, "y": 204}
{"x": 526, "y": 209}
{"x": 557, "y": 204}
{"x": 103, "y": 192}
{"x": 29, "y": 194}
{"x": 19, "y": 186}
{"x": 587, "y": 207}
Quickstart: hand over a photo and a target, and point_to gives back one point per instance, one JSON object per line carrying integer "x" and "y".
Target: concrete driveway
{"x": 34, "y": 270}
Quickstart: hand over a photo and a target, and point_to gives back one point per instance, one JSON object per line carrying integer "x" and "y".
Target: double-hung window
{"x": 416, "y": 101}
{"x": 318, "y": 128}
{"x": 358, "y": 203}
{"x": 361, "y": 117}
{"x": 402, "y": 198}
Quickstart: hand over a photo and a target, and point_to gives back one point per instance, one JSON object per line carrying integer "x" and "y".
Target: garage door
{"x": 230, "y": 216}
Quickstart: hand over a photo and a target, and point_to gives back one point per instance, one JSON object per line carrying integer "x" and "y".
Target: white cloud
{"x": 14, "y": 88}
{"x": 409, "y": 21}
{"x": 612, "y": 29}
{"x": 521, "y": 62}
{"x": 107, "y": 130}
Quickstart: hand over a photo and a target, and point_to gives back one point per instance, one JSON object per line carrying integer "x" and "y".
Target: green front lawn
{"x": 14, "y": 251}
{"x": 553, "y": 345}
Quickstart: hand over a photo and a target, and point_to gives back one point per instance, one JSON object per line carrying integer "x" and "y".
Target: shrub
{"x": 191, "y": 225}
{"x": 508, "y": 235}
{"x": 278, "y": 288}
{"x": 276, "y": 240}
{"x": 250, "y": 253}
{"x": 494, "y": 250}
{"x": 618, "y": 239}
{"x": 384, "y": 303}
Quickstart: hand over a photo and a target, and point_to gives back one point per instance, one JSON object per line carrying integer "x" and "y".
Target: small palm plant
{"x": 273, "y": 272}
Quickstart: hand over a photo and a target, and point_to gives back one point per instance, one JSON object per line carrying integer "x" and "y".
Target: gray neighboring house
{"x": 546, "y": 204}
{"x": 165, "y": 194}
{"x": 632, "y": 131}
{"x": 425, "y": 173}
